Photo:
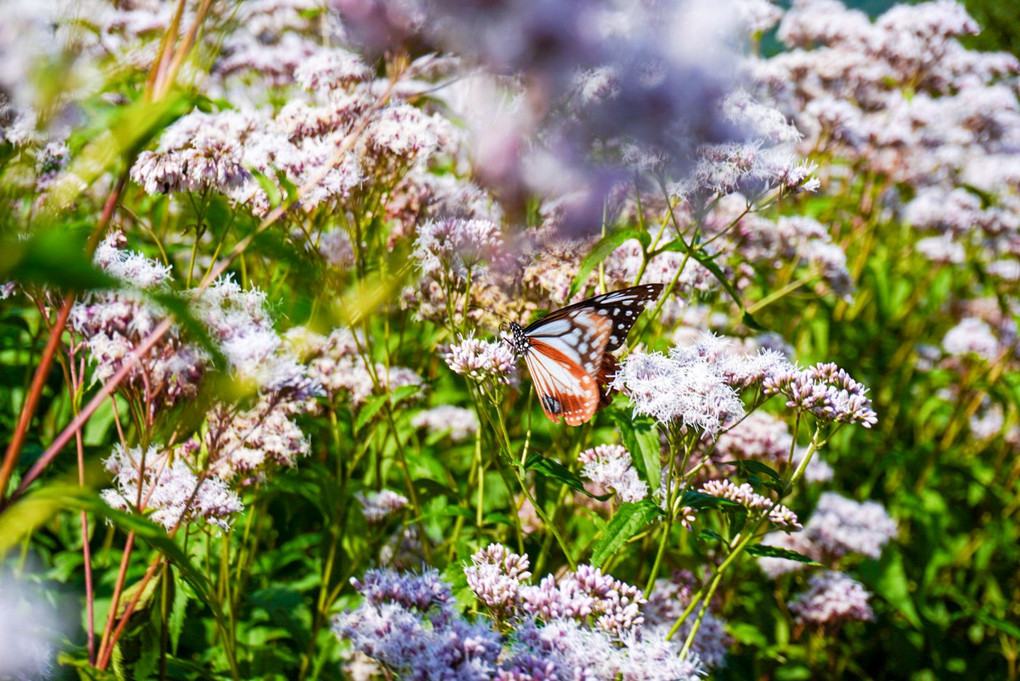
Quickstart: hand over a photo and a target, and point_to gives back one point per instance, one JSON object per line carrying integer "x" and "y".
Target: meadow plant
{"x": 263, "y": 411}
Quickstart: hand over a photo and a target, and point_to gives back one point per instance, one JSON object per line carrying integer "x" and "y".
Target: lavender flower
{"x": 408, "y": 623}
{"x": 832, "y": 599}
{"x": 838, "y": 527}
{"x": 578, "y": 652}
{"x": 377, "y": 506}
{"x": 615, "y": 85}
{"x": 481, "y": 360}
{"x": 609, "y": 466}
{"x": 826, "y": 391}
{"x": 972, "y": 336}
{"x": 460, "y": 423}
{"x": 168, "y": 488}
{"x": 745, "y": 495}
{"x": 496, "y": 576}
{"x": 587, "y": 596}
{"x": 689, "y": 387}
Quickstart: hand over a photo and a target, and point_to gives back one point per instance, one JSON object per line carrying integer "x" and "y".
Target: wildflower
{"x": 408, "y": 623}
{"x": 459, "y": 422}
{"x": 759, "y": 436}
{"x": 838, "y": 527}
{"x": 330, "y": 70}
{"x": 496, "y": 576}
{"x": 689, "y": 387}
{"x": 337, "y": 365}
{"x": 832, "y": 598}
{"x": 402, "y": 132}
{"x": 972, "y": 336}
{"x": 665, "y": 606}
{"x": 579, "y": 652}
{"x": 826, "y": 391}
{"x": 168, "y": 488}
{"x": 609, "y": 466}
{"x": 336, "y": 249}
{"x": 376, "y": 506}
{"x": 587, "y": 595}
{"x": 455, "y": 246}
{"x": 745, "y": 495}
{"x": 246, "y": 442}
{"x": 481, "y": 360}
{"x": 843, "y": 526}
{"x": 114, "y": 323}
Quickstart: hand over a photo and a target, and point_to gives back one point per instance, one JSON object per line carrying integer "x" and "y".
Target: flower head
{"x": 481, "y": 360}
{"x": 832, "y": 598}
{"x": 609, "y": 466}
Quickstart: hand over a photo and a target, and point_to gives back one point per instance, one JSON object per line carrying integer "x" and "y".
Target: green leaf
{"x": 753, "y": 471}
{"x": 700, "y": 500}
{"x": 602, "y": 250}
{"x": 31, "y": 512}
{"x": 1005, "y": 627}
{"x": 628, "y": 521}
{"x": 551, "y": 468}
{"x": 54, "y": 257}
{"x": 404, "y": 392}
{"x": 368, "y": 410}
{"x": 776, "y": 552}
{"x": 707, "y": 534}
{"x": 178, "y": 611}
{"x": 641, "y": 439}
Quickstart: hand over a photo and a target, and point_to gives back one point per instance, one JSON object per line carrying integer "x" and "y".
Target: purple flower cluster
{"x": 838, "y": 527}
{"x": 610, "y": 467}
{"x": 377, "y": 506}
{"x": 745, "y": 495}
{"x": 497, "y": 577}
{"x": 825, "y": 391}
{"x": 409, "y": 624}
{"x": 163, "y": 485}
{"x": 831, "y": 599}
{"x": 481, "y": 360}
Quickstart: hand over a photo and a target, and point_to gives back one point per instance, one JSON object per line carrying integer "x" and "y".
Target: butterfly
{"x": 567, "y": 351}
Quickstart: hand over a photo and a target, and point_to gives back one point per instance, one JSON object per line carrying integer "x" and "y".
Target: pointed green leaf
{"x": 776, "y": 552}
{"x": 602, "y": 250}
{"x": 551, "y": 468}
{"x": 629, "y": 520}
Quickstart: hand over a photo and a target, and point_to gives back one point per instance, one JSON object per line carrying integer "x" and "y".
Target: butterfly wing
{"x": 564, "y": 358}
{"x": 621, "y": 308}
{"x": 568, "y": 356}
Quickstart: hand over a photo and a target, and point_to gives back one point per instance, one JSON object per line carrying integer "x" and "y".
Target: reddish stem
{"x": 117, "y": 590}
{"x": 83, "y": 416}
{"x": 28, "y": 409}
{"x": 106, "y": 653}
{"x": 46, "y": 360}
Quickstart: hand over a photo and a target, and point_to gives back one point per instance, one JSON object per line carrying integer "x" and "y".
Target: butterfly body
{"x": 568, "y": 351}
